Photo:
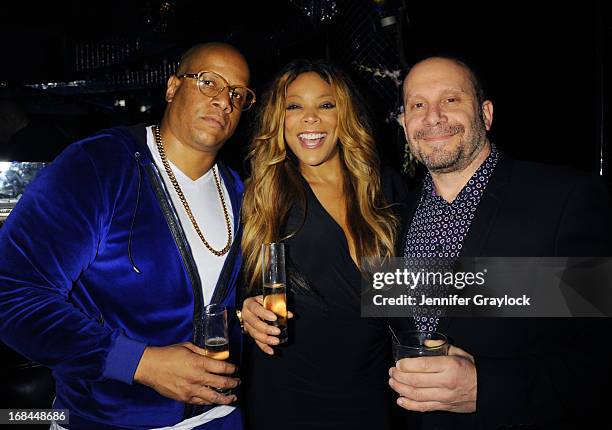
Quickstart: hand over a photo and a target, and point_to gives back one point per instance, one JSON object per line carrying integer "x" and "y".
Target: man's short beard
{"x": 469, "y": 147}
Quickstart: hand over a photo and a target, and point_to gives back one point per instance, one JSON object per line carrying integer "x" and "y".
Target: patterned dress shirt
{"x": 437, "y": 232}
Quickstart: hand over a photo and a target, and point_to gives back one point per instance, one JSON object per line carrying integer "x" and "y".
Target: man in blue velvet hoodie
{"x": 108, "y": 260}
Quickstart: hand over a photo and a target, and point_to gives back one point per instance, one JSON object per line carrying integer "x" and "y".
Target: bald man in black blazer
{"x": 500, "y": 372}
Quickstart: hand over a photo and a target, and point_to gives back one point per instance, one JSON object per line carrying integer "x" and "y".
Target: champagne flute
{"x": 274, "y": 285}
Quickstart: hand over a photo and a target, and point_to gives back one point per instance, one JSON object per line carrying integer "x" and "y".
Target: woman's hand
{"x": 254, "y": 317}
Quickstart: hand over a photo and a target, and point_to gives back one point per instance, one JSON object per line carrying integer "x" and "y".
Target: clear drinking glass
{"x": 216, "y": 338}
{"x": 274, "y": 285}
{"x": 419, "y": 344}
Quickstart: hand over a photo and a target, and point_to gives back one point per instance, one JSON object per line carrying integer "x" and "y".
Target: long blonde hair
{"x": 275, "y": 185}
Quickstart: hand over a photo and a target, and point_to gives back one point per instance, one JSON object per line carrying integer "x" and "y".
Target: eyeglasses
{"x": 211, "y": 84}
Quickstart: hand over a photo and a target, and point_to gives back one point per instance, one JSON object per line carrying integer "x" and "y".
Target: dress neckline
{"x": 330, "y": 219}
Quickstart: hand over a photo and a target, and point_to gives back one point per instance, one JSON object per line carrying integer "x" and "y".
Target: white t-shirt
{"x": 216, "y": 412}
{"x": 203, "y": 199}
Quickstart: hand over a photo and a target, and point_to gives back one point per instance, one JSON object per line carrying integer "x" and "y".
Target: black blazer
{"x": 532, "y": 372}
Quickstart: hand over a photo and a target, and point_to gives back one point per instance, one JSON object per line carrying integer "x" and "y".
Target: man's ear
{"x": 173, "y": 84}
{"x": 400, "y": 119}
{"x": 487, "y": 113}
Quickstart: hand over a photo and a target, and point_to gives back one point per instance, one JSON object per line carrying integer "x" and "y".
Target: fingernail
{"x": 391, "y": 372}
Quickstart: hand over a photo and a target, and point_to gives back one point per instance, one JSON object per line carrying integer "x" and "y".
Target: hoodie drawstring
{"x": 134, "y": 267}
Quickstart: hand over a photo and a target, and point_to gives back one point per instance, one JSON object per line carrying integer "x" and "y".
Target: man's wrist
{"x": 123, "y": 359}
{"x": 140, "y": 375}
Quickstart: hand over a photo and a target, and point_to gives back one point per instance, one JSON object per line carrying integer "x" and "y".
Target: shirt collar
{"x": 482, "y": 176}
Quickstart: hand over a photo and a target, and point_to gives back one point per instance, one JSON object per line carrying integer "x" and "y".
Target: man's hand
{"x": 442, "y": 383}
{"x": 254, "y": 317}
{"x": 182, "y": 372}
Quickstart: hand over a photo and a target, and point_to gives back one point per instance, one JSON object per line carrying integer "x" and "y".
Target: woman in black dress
{"x": 316, "y": 185}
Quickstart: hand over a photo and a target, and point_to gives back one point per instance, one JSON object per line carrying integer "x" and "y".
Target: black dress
{"x": 333, "y": 372}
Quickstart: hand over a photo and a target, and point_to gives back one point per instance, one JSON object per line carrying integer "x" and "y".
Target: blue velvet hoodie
{"x": 94, "y": 266}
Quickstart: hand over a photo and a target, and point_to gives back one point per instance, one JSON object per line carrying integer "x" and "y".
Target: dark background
{"x": 544, "y": 65}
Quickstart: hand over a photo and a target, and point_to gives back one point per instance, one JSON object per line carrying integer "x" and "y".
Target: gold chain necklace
{"x": 177, "y": 188}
